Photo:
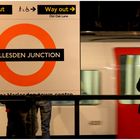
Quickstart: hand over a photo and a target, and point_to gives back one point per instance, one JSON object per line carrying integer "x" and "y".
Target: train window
{"x": 90, "y": 82}
{"x": 90, "y": 85}
{"x": 129, "y": 75}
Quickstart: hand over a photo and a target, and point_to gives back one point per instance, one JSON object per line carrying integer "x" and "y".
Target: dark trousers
{"x": 16, "y": 127}
{"x": 19, "y": 126}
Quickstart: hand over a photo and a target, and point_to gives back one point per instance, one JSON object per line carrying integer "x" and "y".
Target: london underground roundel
{"x": 43, "y": 37}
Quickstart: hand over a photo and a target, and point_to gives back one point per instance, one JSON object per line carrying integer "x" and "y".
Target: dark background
{"x": 110, "y": 15}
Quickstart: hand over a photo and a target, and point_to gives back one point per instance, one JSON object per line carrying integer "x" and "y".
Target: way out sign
{"x": 39, "y": 53}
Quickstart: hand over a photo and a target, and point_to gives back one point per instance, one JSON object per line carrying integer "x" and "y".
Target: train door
{"x": 128, "y": 73}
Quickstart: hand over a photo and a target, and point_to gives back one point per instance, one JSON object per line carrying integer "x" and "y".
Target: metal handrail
{"x": 75, "y": 98}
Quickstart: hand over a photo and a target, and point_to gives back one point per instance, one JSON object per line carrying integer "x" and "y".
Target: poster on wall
{"x": 39, "y": 48}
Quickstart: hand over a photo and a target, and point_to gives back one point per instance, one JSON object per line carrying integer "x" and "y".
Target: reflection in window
{"x": 90, "y": 81}
{"x": 130, "y": 73}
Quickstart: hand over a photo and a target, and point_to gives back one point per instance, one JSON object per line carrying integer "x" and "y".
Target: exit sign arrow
{"x": 33, "y": 9}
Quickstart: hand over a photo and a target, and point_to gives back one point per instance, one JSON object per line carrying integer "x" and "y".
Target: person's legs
{"x": 21, "y": 127}
{"x": 18, "y": 125}
{"x": 12, "y": 124}
{"x": 31, "y": 122}
{"x": 45, "y": 111}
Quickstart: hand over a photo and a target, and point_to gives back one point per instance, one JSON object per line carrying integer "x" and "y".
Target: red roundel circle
{"x": 43, "y": 37}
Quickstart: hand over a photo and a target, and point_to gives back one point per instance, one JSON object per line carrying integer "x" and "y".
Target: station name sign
{"x": 32, "y": 55}
{"x": 36, "y": 56}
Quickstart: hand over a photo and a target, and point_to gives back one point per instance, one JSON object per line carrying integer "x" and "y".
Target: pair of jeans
{"x": 45, "y": 107}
